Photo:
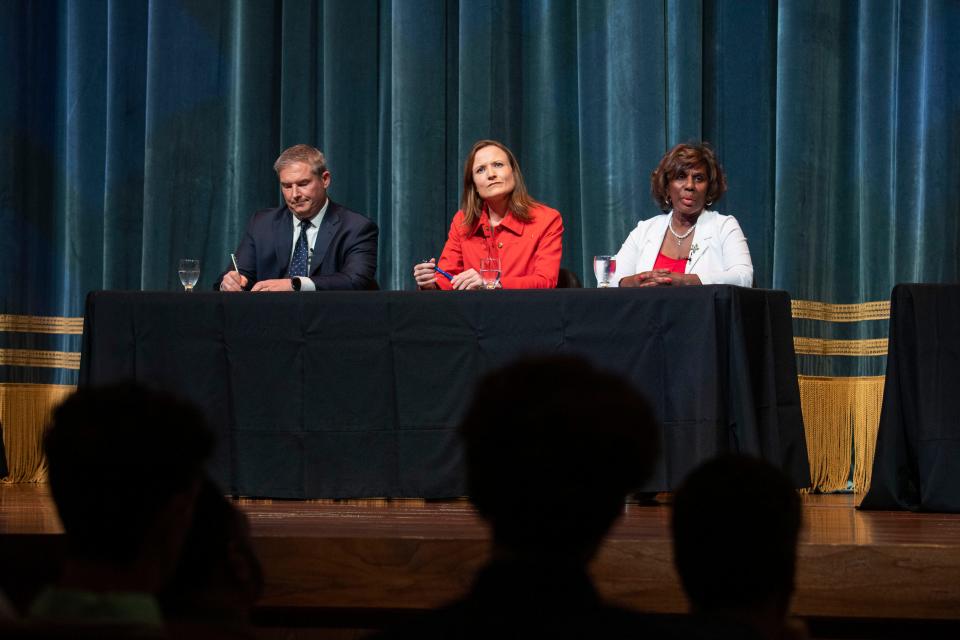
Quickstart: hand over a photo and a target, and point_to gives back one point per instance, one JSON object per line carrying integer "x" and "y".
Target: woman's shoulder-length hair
{"x": 472, "y": 204}
{"x": 684, "y": 157}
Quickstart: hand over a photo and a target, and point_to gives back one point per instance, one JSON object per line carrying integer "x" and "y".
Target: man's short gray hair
{"x": 302, "y": 153}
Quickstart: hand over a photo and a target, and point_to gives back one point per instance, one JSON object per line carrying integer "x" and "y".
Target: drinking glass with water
{"x": 490, "y": 272}
{"x": 604, "y": 267}
{"x": 189, "y": 272}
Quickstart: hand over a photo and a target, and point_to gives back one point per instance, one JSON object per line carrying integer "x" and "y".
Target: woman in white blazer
{"x": 688, "y": 244}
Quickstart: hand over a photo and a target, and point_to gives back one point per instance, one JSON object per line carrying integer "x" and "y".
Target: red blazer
{"x": 529, "y": 251}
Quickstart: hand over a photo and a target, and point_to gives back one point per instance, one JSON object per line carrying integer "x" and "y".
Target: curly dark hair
{"x": 684, "y": 157}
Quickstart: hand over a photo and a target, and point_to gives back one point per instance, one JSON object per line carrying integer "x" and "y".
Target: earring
{"x": 709, "y": 203}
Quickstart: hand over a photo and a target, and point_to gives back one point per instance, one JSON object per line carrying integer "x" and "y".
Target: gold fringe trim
{"x": 840, "y": 417}
{"x": 36, "y": 358}
{"x": 24, "y": 411}
{"x": 825, "y": 347}
{"x": 813, "y": 310}
{"x": 393, "y": 503}
{"x": 41, "y": 324}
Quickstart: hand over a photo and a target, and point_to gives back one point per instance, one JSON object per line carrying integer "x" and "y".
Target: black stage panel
{"x": 358, "y": 394}
{"x": 917, "y": 461}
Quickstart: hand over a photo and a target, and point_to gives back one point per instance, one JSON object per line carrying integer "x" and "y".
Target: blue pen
{"x": 442, "y": 272}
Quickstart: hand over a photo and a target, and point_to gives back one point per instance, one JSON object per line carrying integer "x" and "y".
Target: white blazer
{"x": 718, "y": 252}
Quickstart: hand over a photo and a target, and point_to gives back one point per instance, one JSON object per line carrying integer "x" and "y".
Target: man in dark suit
{"x": 309, "y": 244}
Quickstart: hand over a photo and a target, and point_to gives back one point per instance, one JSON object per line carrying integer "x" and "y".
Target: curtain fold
{"x": 134, "y": 133}
{"x": 138, "y": 133}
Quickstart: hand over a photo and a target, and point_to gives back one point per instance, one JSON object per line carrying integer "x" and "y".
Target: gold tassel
{"x": 840, "y": 417}
{"x": 866, "y": 423}
{"x": 24, "y": 411}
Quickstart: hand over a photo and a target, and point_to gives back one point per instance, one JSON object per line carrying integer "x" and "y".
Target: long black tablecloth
{"x": 358, "y": 394}
{"x": 917, "y": 460}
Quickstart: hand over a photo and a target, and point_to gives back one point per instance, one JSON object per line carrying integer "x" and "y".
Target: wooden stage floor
{"x": 381, "y": 558}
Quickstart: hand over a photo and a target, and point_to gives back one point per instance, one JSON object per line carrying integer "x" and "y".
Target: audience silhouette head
{"x": 735, "y": 525}
{"x": 125, "y": 465}
{"x": 553, "y": 446}
{"x": 218, "y": 578}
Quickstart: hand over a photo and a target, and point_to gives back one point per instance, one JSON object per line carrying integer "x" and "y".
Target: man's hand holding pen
{"x": 233, "y": 280}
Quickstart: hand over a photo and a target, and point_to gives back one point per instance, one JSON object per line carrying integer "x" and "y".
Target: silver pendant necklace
{"x": 680, "y": 238}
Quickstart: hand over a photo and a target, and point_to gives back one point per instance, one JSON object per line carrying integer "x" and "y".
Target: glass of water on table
{"x": 604, "y": 267}
{"x": 490, "y": 272}
{"x": 189, "y": 272}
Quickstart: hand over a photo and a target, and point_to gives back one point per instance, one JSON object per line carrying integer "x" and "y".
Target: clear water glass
{"x": 189, "y": 272}
{"x": 490, "y": 272}
{"x": 604, "y": 267}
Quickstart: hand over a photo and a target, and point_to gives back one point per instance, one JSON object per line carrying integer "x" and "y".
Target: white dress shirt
{"x": 306, "y": 284}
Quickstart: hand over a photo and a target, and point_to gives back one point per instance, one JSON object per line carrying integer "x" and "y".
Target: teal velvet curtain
{"x": 135, "y": 132}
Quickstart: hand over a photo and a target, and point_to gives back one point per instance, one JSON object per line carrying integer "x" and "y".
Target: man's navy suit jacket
{"x": 344, "y": 254}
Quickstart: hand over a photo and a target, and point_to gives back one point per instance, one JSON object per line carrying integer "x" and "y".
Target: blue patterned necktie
{"x": 298, "y": 265}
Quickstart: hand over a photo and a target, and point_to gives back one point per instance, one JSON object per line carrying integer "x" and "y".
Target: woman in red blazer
{"x": 497, "y": 219}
